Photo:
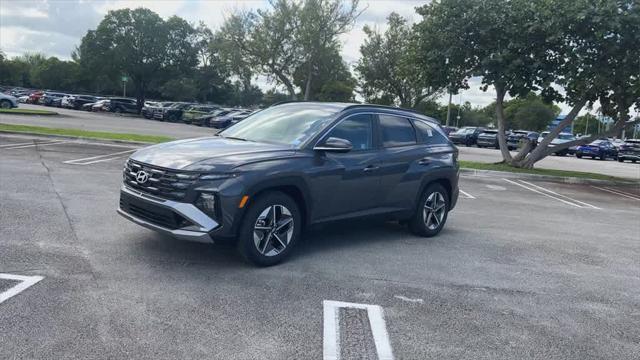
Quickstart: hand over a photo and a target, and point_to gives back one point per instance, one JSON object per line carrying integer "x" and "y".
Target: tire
{"x": 423, "y": 223}
{"x": 117, "y": 110}
{"x": 620, "y": 159}
{"x": 602, "y": 156}
{"x": 5, "y": 104}
{"x": 251, "y": 241}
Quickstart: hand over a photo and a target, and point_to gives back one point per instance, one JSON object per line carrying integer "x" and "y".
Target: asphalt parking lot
{"x": 523, "y": 270}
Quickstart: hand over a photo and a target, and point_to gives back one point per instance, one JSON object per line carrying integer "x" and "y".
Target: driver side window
{"x": 358, "y": 129}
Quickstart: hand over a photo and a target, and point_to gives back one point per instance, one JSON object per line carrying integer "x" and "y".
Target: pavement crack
{"x": 65, "y": 211}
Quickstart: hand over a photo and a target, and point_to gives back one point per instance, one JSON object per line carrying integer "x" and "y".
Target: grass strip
{"x": 537, "y": 171}
{"x": 40, "y": 130}
{"x": 27, "y": 112}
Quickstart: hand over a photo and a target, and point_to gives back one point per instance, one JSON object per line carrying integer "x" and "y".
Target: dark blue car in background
{"x": 601, "y": 149}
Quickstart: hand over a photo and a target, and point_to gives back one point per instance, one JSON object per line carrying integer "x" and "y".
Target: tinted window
{"x": 428, "y": 135}
{"x": 396, "y": 131}
{"x": 358, "y": 129}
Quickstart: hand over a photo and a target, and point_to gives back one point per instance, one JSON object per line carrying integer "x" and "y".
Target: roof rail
{"x": 385, "y": 107}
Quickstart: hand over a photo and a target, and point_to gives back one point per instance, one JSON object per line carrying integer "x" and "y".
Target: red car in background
{"x": 34, "y": 97}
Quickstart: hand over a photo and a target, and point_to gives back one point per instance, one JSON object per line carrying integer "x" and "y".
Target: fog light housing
{"x": 207, "y": 203}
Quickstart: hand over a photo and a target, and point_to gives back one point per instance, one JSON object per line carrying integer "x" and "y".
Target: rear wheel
{"x": 5, "y": 104}
{"x": 270, "y": 229}
{"x": 621, "y": 159}
{"x": 431, "y": 215}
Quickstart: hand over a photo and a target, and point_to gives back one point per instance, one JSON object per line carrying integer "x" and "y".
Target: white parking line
{"x": 25, "y": 283}
{"x": 543, "y": 193}
{"x": 618, "y": 192}
{"x": 23, "y": 146}
{"x": 331, "y": 331}
{"x": 98, "y": 158}
{"x": 564, "y": 196}
{"x": 466, "y": 194}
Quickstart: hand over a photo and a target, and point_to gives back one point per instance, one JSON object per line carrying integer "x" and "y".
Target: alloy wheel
{"x": 273, "y": 230}
{"x": 434, "y": 210}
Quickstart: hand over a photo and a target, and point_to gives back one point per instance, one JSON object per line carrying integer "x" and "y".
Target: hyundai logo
{"x": 142, "y": 177}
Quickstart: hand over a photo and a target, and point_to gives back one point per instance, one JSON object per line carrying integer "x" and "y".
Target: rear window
{"x": 429, "y": 135}
{"x": 396, "y": 131}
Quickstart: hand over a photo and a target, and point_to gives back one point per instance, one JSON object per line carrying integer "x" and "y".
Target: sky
{"x": 55, "y": 27}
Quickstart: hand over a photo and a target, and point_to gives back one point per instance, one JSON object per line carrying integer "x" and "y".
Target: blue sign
{"x": 556, "y": 121}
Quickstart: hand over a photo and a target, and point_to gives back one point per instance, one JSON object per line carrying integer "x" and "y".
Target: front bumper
{"x": 195, "y": 225}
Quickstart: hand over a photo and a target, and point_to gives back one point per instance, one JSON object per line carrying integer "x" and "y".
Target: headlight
{"x": 207, "y": 203}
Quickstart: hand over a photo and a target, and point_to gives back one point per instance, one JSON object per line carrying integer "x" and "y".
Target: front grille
{"x": 152, "y": 213}
{"x": 163, "y": 183}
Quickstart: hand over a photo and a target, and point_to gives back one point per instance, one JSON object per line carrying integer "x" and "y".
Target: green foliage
{"x": 180, "y": 89}
{"x": 529, "y": 112}
{"x": 586, "y": 124}
{"x": 387, "y": 70}
{"x": 292, "y": 43}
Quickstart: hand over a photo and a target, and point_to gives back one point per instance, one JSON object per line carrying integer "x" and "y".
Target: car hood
{"x": 209, "y": 154}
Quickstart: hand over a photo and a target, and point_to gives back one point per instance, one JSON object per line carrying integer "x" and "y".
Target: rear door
{"x": 403, "y": 162}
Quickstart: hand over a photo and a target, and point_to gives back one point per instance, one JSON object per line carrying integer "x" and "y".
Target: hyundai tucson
{"x": 262, "y": 181}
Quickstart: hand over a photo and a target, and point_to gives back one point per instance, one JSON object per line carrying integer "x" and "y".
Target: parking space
{"x": 524, "y": 269}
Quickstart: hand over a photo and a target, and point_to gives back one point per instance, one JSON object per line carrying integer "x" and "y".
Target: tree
{"x": 600, "y": 63}
{"x": 333, "y": 80}
{"x": 520, "y": 46}
{"x": 289, "y": 43}
{"x": 140, "y": 44}
{"x": 320, "y": 24}
{"x": 387, "y": 68}
{"x": 586, "y": 124}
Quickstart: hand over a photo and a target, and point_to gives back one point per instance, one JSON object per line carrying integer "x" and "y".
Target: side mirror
{"x": 334, "y": 144}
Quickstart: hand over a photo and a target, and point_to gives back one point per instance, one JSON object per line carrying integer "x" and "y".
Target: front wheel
{"x": 270, "y": 229}
{"x": 431, "y": 215}
{"x": 5, "y": 104}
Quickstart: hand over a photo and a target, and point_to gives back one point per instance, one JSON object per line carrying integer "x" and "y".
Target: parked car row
{"x": 601, "y": 149}
{"x": 195, "y": 114}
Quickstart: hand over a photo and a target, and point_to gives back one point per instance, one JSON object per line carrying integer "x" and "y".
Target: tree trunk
{"x": 542, "y": 150}
{"x": 502, "y": 139}
{"x": 307, "y": 88}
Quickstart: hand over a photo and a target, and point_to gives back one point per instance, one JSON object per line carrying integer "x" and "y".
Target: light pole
{"x": 124, "y": 85}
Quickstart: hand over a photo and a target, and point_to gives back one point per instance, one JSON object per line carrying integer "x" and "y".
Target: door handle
{"x": 424, "y": 161}
{"x": 371, "y": 168}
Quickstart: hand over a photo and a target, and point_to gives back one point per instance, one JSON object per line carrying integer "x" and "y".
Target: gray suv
{"x": 263, "y": 180}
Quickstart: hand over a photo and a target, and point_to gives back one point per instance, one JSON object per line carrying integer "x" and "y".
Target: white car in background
{"x": 67, "y": 101}
{"x": 561, "y": 139}
{"x": 23, "y": 99}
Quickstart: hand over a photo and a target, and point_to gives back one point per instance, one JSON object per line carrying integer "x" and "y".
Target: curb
{"x": 126, "y": 142}
{"x": 562, "y": 179}
{"x": 51, "y": 113}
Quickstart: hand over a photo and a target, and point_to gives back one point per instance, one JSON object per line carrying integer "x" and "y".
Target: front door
{"x": 346, "y": 183}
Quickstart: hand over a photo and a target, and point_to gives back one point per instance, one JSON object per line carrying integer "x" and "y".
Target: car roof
{"x": 346, "y": 106}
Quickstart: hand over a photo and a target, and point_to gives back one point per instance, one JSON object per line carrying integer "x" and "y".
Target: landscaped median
{"x": 40, "y": 130}
{"x": 19, "y": 111}
{"x": 500, "y": 167}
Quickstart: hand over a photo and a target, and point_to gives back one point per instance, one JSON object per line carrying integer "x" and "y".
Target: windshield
{"x": 565, "y": 137}
{"x": 287, "y": 124}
